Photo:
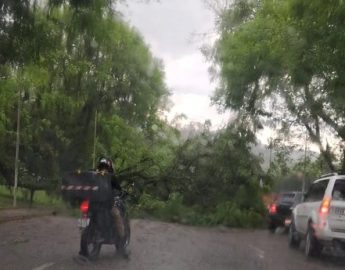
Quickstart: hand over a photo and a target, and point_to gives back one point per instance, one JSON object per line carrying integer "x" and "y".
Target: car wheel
{"x": 312, "y": 246}
{"x": 293, "y": 237}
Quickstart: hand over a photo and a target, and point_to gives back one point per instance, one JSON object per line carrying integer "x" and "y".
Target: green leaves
{"x": 69, "y": 60}
{"x": 88, "y": 79}
{"x": 287, "y": 51}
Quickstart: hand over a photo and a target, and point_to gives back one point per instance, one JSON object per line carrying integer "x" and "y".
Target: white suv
{"x": 320, "y": 218}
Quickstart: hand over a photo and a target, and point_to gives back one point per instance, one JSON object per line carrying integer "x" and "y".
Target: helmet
{"x": 105, "y": 164}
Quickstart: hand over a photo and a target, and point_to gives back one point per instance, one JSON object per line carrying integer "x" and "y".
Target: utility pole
{"x": 305, "y": 161}
{"x": 16, "y": 161}
{"x": 94, "y": 142}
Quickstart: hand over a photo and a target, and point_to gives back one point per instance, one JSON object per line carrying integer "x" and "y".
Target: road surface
{"x": 53, "y": 242}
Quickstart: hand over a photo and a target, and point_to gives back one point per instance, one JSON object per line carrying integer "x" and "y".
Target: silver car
{"x": 320, "y": 218}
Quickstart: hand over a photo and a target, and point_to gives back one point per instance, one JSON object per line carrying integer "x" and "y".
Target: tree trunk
{"x": 32, "y": 194}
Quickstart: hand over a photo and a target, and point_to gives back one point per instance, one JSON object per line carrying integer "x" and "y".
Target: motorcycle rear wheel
{"x": 127, "y": 234}
{"x": 127, "y": 231}
{"x": 88, "y": 246}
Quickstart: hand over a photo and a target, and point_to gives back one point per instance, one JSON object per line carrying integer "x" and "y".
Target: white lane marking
{"x": 44, "y": 266}
{"x": 258, "y": 251}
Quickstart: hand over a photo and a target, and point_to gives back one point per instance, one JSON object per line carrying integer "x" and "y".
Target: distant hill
{"x": 262, "y": 150}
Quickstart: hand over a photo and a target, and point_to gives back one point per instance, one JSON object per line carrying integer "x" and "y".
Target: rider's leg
{"x": 120, "y": 230}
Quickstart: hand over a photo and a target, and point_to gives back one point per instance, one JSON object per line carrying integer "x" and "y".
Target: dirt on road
{"x": 53, "y": 243}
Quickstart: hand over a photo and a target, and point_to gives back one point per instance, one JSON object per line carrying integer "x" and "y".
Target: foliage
{"x": 290, "y": 176}
{"x": 226, "y": 213}
{"x": 287, "y": 53}
{"x": 75, "y": 69}
{"x": 73, "y": 64}
{"x": 209, "y": 172}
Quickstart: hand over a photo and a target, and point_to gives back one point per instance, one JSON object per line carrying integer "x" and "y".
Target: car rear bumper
{"x": 330, "y": 236}
{"x": 331, "y": 239}
{"x": 325, "y": 234}
{"x": 276, "y": 220}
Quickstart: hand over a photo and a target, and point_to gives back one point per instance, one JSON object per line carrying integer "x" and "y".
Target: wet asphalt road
{"x": 53, "y": 242}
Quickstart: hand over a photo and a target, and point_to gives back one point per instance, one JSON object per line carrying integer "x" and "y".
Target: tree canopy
{"x": 285, "y": 53}
{"x": 86, "y": 85}
{"x": 73, "y": 63}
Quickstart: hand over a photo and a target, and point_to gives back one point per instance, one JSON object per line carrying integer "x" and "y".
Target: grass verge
{"x": 42, "y": 200}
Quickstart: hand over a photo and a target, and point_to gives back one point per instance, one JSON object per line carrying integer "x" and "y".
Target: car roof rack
{"x": 329, "y": 174}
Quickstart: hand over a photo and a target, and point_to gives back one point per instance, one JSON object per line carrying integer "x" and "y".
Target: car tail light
{"x": 325, "y": 206}
{"x": 273, "y": 208}
{"x": 84, "y": 207}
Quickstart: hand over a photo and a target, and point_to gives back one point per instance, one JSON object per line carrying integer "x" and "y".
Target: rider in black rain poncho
{"x": 106, "y": 165}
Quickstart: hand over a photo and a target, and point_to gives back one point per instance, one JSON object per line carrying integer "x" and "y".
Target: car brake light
{"x": 84, "y": 207}
{"x": 325, "y": 205}
{"x": 273, "y": 209}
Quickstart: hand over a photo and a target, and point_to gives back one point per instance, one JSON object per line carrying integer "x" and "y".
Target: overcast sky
{"x": 171, "y": 30}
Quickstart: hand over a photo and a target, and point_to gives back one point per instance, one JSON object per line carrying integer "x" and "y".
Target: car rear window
{"x": 338, "y": 193}
{"x": 317, "y": 191}
{"x": 286, "y": 197}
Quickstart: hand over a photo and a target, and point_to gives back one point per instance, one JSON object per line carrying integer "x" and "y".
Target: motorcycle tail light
{"x": 84, "y": 207}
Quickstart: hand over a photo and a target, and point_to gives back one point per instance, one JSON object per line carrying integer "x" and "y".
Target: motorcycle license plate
{"x": 83, "y": 222}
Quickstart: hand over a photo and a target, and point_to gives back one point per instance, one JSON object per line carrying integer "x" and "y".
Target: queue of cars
{"x": 318, "y": 216}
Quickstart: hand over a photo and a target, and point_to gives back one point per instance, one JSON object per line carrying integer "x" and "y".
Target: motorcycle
{"x": 97, "y": 227}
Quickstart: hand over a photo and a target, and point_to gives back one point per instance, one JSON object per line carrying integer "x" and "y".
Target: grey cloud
{"x": 169, "y": 24}
{"x": 167, "y": 27}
